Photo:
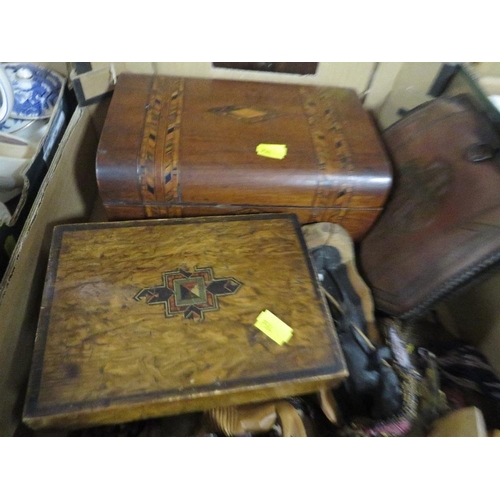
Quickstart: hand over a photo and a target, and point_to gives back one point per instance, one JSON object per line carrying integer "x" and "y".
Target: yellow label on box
{"x": 277, "y": 151}
{"x": 273, "y": 327}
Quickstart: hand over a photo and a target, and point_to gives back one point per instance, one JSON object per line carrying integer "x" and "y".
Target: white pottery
{"x": 6, "y": 96}
{"x": 35, "y": 89}
{"x": 11, "y": 170}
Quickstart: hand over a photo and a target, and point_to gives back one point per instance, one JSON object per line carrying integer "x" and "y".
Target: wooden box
{"x": 142, "y": 319}
{"x": 176, "y": 147}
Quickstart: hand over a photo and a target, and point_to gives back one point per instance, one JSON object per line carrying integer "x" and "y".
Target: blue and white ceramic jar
{"x": 35, "y": 89}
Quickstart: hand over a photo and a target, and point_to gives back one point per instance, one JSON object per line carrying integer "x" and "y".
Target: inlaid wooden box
{"x": 143, "y": 319}
{"x": 181, "y": 147}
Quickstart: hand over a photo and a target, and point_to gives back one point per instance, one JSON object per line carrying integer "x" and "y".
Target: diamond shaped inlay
{"x": 246, "y": 113}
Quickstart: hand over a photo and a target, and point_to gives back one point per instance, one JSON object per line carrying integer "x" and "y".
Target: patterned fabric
{"x": 466, "y": 367}
{"x": 401, "y": 423}
{"x": 423, "y": 401}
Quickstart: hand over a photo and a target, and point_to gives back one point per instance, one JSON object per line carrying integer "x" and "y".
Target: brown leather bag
{"x": 441, "y": 225}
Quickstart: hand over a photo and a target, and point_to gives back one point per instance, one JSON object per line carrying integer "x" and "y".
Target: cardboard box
{"x": 69, "y": 194}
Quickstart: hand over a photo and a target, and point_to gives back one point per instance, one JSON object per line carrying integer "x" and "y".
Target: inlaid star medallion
{"x": 189, "y": 293}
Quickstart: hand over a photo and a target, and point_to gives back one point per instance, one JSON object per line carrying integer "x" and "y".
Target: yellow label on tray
{"x": 277, "y": 151}
{"x": 273, "y": 327}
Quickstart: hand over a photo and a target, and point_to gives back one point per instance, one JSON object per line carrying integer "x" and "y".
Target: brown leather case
{"x": 175, "y": 147}
{"x": 142, "y": 319}
{"x": 441, "y": 225}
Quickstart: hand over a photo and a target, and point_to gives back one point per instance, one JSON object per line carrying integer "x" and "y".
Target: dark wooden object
{"x": 299, "y": 68}
{"x": 174, "y": 147}
{"x": 143, "y": 319}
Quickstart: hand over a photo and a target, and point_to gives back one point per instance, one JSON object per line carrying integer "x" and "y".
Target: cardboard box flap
{"x": 93, "y": 80}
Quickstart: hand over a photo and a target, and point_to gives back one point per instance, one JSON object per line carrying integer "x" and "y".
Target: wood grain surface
{"x": 184, "y": 147}
{"x": 102, "y": 356}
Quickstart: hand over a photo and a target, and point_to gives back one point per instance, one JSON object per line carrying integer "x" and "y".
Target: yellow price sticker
{"x": 273, "y": 327}
{"x": 277, "y": 151}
